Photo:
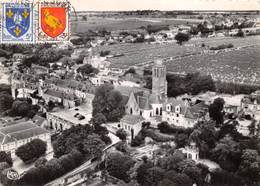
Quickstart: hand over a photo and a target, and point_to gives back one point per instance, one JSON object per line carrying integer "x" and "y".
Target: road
{"x": 76, "y": 174}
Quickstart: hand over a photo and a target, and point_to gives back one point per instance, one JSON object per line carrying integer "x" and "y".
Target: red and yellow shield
{"x": 53, "y": 20}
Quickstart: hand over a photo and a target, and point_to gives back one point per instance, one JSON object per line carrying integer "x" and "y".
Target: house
{"x": 66, "y": 118}
{"x": 14, "y": 136}
{"x": 97, "y": 62}
{"x": 132, "y": 124}
{"x": 191, "y": 152}
{"x": 180, "y": 113}
{"x": 251, "y": 104}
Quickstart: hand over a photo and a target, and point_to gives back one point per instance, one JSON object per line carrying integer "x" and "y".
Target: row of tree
{"x": 32, "y": 150}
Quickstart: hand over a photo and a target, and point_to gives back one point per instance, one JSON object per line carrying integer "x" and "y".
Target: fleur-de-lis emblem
{"x": 9, "y": 13}
{"x": 17, "y": 31}
{"x": 25, "y": 14}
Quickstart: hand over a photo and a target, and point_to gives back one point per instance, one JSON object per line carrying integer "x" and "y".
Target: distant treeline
{"x": 235, "y": 88}
{"x": 194, "y": 83}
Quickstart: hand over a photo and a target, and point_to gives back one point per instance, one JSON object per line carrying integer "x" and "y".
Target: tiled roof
{"x": 59, "y": 94}
{"x": 143, "y": 103}
{"x": 20, "y": 131}
{"x": 126, "y": 91}
{"x": 132, "y": 119}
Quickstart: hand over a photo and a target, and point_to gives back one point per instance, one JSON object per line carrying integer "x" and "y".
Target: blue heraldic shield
{"x": 17, "y": 21}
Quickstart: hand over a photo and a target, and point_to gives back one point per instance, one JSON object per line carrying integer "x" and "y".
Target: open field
{"x": 240, "y": 64}
{"x": 111, "y": 24}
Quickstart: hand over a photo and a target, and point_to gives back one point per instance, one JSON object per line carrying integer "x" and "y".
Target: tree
{"x": 215, "y": 111}
{"x": 118, "y": 166}
{"x": 190, "y": 168}
{"x": 4, "y": 165}
{"x": 93, "y": 146}
{"x": 40, "y": 162}
{"x": 99, "y": 119}
{"x": 121, "y": 134}
{"x": 205, "y": 137}
{"x": 141, "y": 171}
{"x": 250, "y": 165}
{"x": 181, "y": 140}
{"x": 153, "y": 176}
{"x": 4, "y": 157}
{"x": 6, "y": 101}
{"x": 81, "y": 138}
{"x": 84, "y": 18}
{"x": 108, "y": 102}
{"x": 240, "y": 33}
{"x": 176, "y": 179}
{"x": 182, "y": 37}
{"x": 32, "y": 150}
{"x": 227, "y": 153}
{"x": 87, "y": 70}
{"x": 171, "y": 162}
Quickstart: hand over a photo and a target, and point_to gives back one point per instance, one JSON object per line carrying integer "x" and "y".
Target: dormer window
{"x": 178, "y": 109}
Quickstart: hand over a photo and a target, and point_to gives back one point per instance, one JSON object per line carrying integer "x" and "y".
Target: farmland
{"x": 111, "y": 24}
{"x": 242, "y": 63}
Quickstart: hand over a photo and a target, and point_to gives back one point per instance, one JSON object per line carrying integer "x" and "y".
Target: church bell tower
{"x": 159, "y": 79}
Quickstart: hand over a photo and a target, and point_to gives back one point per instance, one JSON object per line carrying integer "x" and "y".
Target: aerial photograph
{"x": 129, "y": 93}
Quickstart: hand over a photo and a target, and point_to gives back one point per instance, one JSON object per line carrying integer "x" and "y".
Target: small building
{"x": 191, "y": 152}
{"x": 14, "y": 136}
{"x": 132, "y": 124}
{"x": 251, "y": 104}
{"x": 180, "y": 113}
{"x": 66, "y": 118}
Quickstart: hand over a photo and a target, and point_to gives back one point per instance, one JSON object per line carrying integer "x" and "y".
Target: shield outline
{"x": 27, "y": 26}
{"x": 65, "y": 17}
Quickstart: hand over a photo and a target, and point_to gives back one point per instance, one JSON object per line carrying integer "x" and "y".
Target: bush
{"x": 156, "y": 136}
{"x": 182, "y": 37}
{"x": 4, "y": 157}
{"x": 52, "y": 169}
{"x": 104, "y": 53}
{"x": 32, "y": 150}
{"x": 3, "y": 166}
{"x": 164, "y": 127}
{"x": 40, "y": 162}
{"x": 121, "y": 134}
{"x": 137, "y": 141}
{"x": 221, "y": 47}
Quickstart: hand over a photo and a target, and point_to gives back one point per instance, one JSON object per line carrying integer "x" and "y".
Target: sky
{"x": 113, "y": 5}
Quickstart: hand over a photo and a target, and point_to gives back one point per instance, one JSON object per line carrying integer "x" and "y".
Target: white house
{"x": 132, "y": 124}
{"x": 16, "y": 135}
{"x": 180, "y": 113}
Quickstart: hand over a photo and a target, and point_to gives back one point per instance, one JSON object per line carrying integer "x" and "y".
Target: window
{"x": 141, "y": 113}
{"x": 177, "y": 115}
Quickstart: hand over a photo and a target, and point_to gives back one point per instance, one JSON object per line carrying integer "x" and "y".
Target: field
{"x": 240, "y": 64}
{"x": 111, "y": 24}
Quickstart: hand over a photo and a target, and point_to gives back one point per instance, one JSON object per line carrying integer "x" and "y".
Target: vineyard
{"x": 239, "y": 64}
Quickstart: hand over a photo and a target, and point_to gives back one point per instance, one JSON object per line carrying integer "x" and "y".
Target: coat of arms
{"x": 53, "y": 22}
{"x": 17, "y": 23}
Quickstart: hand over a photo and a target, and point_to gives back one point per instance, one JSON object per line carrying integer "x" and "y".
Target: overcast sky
{"x": 100, "y": 5}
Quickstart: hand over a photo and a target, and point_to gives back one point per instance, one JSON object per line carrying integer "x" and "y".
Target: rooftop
{"x": 132, "y": 119}
{"x": 20, "y": 131}
{"x": 73, "y": 115}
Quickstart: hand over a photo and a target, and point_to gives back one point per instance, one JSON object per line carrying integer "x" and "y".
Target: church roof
{"x": 132, "y": 119}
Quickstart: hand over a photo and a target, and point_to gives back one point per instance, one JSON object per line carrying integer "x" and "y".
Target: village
{"x": 93, "y": 122}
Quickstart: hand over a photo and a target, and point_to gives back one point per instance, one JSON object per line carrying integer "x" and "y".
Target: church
{"x": 149, "y": 104}
{"x": 154, "y": 105}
